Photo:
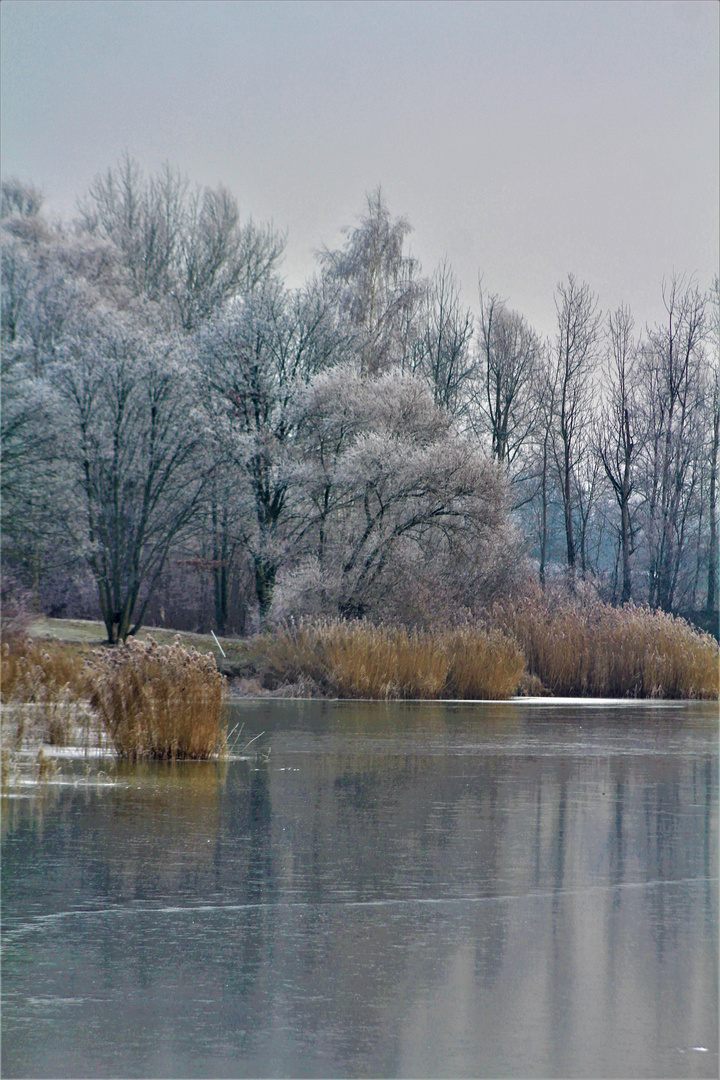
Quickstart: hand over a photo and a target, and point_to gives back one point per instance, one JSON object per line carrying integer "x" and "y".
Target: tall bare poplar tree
{"x": 618, "y": 441}
{"x": 673, "y": 401}
{"x": 510, "y": 354}
{"x": 442, "y": 353}
{"x": 576, "y": 354}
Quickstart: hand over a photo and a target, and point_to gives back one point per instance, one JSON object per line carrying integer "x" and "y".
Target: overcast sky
{"x": 522, "y": 140}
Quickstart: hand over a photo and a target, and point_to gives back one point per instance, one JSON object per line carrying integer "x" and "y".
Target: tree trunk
{"x": 711, "y": 601}
{"x": 625, "y": 542}
{"x": 567, "y": 507}
{"x": 220, "y": 569}
{"x": 543, "y": 512}
{"x": 265, "y": 574}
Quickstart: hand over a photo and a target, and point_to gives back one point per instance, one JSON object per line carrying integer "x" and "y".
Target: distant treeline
{"x": 188, "y": 441}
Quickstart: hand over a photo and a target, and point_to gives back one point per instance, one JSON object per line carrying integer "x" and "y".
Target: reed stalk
{"x": 44, "y": 690}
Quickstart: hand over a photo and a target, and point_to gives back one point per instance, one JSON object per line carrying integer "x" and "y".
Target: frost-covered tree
{"x": 97, "y": 445}
{"x": 391, "y": 492}
{"x": 254, "y": 359}
{"x": 674, "y": 447}
{"x": 184, "y": 249}
{"x": 377, "y": 287}
{"x": 127, "y": 447}
{"x": 28, "y": 334}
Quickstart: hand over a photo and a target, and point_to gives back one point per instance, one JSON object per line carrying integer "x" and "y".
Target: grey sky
{"x": 522, "y": 140}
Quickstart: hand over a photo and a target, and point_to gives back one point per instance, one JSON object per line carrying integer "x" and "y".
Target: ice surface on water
{"x": 442, "y": 889}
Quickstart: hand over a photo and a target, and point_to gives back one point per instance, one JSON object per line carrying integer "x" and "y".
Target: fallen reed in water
{"x": 359, "y": 660}
{"x": 159, "y": 701}
{"x": 579, "y": 647}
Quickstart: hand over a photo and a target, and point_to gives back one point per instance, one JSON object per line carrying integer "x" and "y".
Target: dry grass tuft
{"x": 160, "y": 701}
{"x": 592, "y": 649}
{"x": 358, "y": 660}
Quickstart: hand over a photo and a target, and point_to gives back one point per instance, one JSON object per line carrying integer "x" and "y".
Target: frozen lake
{"x": 503, "y": 890}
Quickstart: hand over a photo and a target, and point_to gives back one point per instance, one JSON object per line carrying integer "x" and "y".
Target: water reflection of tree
{"x": 245, "y": 881}
{"x": 293, "y": 856}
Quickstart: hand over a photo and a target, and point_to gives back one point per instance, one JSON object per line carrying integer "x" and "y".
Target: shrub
{"x": 160, "y": 701}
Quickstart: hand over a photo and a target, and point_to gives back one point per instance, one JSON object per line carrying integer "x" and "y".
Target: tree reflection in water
{"x": 396, "y": 889}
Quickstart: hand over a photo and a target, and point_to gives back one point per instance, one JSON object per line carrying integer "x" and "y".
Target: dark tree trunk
{"x": 711, "y": 601}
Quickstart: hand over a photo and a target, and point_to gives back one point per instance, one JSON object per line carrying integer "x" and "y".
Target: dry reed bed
{"x": 358, "y": 660}
{"x": 160, "y": 701}
{"x": 151, "y": 701}
{"x": 33, "y": 669}
{"x": 165, "y": 701}
{"x": 49, "y": 685}
{"x": 593, "y": 650}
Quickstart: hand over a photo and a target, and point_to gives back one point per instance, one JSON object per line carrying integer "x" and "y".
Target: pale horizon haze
{"x": 521, "y": 140}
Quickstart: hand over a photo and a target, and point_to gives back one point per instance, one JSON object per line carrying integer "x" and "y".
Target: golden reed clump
{"x": 160, "y": 701}
{"x": 588, "y": 648}
{"x": 359, "y": 660}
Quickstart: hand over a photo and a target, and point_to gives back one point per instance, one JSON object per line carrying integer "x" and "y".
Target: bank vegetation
{"x": 149, "y": 700}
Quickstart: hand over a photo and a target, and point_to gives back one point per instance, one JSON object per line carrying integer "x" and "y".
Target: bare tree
{"x": 576, "y": 353}
{"x": 508, "y": 362}
{"x": 37, "y": 303}
{"x": 142, "y": 219}
{"x": 127, "y": 447}
{"x": 255, "y": 360}
{"x": 672, "y": 367}
{"x": 441, "y": 352}
{"x": 589, "y": 482}
{"x": 185, "y": 250}
{"x": 18, "y": 198}
{"x": 618, "y": 441}
{"x": 219, "y": 258}
{"x": 544, "y": 390}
